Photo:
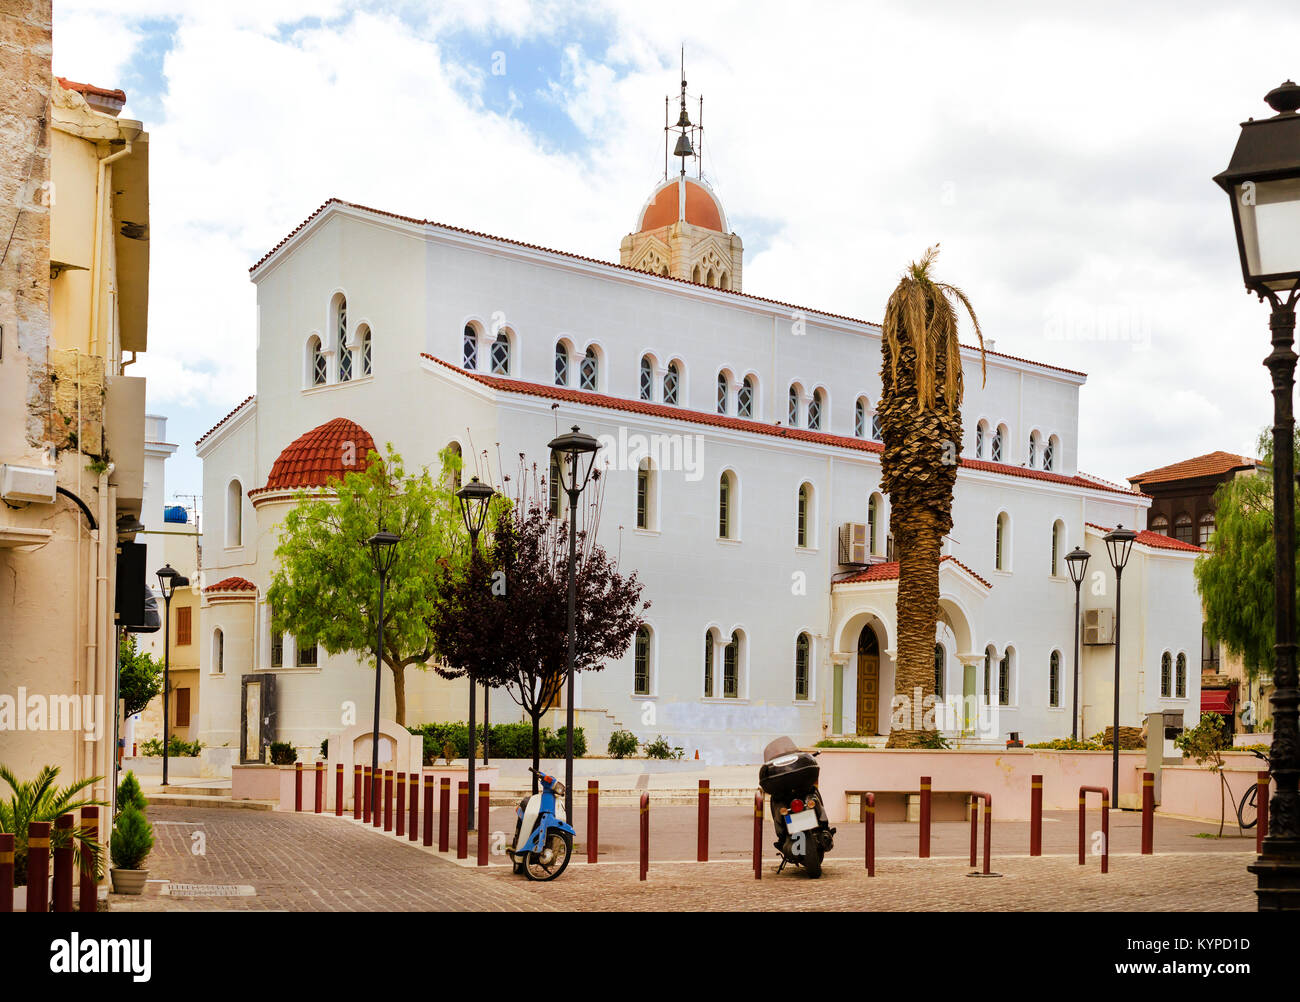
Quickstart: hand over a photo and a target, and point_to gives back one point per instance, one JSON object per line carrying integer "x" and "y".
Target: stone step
{"x": 185, "y": 800}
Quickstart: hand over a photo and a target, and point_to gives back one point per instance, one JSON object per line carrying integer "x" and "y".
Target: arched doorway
{"x": 868, "y": 716}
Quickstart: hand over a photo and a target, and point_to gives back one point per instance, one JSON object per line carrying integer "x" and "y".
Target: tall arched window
{"x": 727, "y": 506}
{"x": 1204, "y": 529}
{"x": 745, "y": 398}
{"x": 803, "y": 515}
{"x": 561, "y": 364}
{"x": 999, "y": 439}
{"x": 815, "y": 411}
{"x": 1001, "y": 556}
{"x": 672, "y": 383}
{"x": 940, "y": 659}
{"x": 1166, "y": 675}
{"x": 367, "y": 352}
{"x": 641, "y": 681}
{"x": 801, "y": 646}
{"x": 341, "y": 338}
{"x": 1004, "y": 678}
{"x": 218, "y": 651}
{"x": 234, "y": 513}
{"x": 988, "y": 672}
{"x": 981, "y": 437}
{"x": 877, "y": 429}
{"x": 469, "y": 347}
{"x": 1054, "y": 679}
{"x": 1033, "y": 449}
{"x": 1183, "y": 529}
{"x": 792, "y": 412}
{"x": 1160, "y": 524}
{"x": 501, "y": 354}
{"x": 709, "y": 645}
{"x": 554, "y": 494}
{"x": 1049, "y": 452}
{"x": 456, "y": 454}
{"x": 1058, "y": 539}
{"x": 724, "y": 392}
{"x": 860, "y": 418}
{"x": 589, "y": 374}
{"x": 647, "y": 379}
{"x": 317, "y": 365}
{"x": 1180, "y": 677}
{"x": 645, "y": 514}
{"x": 873, "y": 523}
{"x": 731, "y": 668}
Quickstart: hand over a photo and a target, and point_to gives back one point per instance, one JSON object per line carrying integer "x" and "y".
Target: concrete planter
{"x": 128, "y": 881}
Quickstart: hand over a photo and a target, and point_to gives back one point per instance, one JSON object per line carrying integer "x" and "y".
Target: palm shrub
{"x": 129, "y": 792}
{"x": 132, "y": 839}
{"x": 41, "y": 800}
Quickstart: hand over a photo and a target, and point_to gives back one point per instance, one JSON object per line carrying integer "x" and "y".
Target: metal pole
{"x": 167, "y": 685}
{"x": 1074, "y": 709}
{"x": 473, "y": 723}
{"x": 1114, "y": 755}
{"x": 1278, "y": 866}
{"x": 486, "y": 726}
{"x": 379, "y": 670}
{"x": 573, "y": 598}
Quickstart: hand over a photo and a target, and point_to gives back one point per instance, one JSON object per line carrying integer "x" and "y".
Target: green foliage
{"x": 1235, "y": 578}
{"x": 1067, "y": 744}
{"x": 622, "y": 744}
{"x": 140, "y": 677}
{"x": 504, "y": 740}
{"x": 132, "y": 839}
{"x": 842, "y": 743}
{"x": 176, "y": 748}
{"x": 1204, "y": 744}
{"x": 325, "y": 748}
{"x": 129, "y": 792}
{"x": 930, "y": 739}
{"x": 658, "y": 748}
{"x": 40, "y": 800}
{"x": 326, "y": 586}
{"x": 283, "y": 753}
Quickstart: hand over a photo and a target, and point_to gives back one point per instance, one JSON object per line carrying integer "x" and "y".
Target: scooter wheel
{"x": 551, "y": 861}
{"x": 812, "y": 860}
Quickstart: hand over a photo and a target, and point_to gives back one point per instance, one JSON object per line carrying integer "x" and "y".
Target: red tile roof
{"x": 607, "y": 264}
{"x": 888, "y": 571}
{"x": 573, "y": 396}
{"x": 90, "y": 89}
{"x": 1212, "y": 464}
{"x": 325, "y": 453}
{"x": 231, "y": 584}
{"x": 1155, "y": 540}
{"x": 238, "y": 407}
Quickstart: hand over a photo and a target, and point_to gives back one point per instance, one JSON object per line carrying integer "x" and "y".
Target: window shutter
{"x": 183, "y": 625}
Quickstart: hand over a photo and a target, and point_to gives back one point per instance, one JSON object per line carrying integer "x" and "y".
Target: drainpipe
{"x": 97, "y": 255}
{"x": 100, "y": 687}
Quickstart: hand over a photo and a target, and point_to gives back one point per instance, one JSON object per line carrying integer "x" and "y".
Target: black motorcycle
{"x": 789, "y": 777}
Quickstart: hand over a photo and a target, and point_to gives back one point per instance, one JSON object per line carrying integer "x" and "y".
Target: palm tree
{"x": 920, "y": 417}
{"x": 41, "y": 800}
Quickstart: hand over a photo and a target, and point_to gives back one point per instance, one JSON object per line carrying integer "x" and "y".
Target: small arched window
{"x": 803, "y": 516}
{"x": 341, "y": 338}
{"x": 641, "y": 681}
{"x": 723, "y": 281}
{"x": 589, "y": 375}
{"x": 561, "y": 364}
{"x": 793, "y": 409}
{"x": 1004, "y": 678}
{"x": 469, "y": 347}
{"x": 367, "y": 352}
{"x": 1033, "y": 449}
{"x": 1160, "y": 524}
{"x": 1183, "y": 529}
{"x": 731, "y": 668}
{"x": 647, "y": 382}
{"x": 1049, "y": 453}
{"x": 745, "y": 398}
{"x": 1058, "y": 538}
{"x": 815, "y": 411}
{"x": 709, "y": 644}
{"x": 501, "y": 354}
{"x": 317, "y": 364}
{"x": 1180, "y": 677}
{"x": 801, "y": 652}
{"x": 1054, "y": 679}
{"x": 645, "y": 495}
{"x": 1000, "y": 547}
{"x": 989, "y": 654}
{"x": 727, "y": 506}
{"x": 672, "y": 383}
{"x": 218, "y": 652}
{"x": 860, "y": 418}
{"x": 456, "y": 464}
{"x": 724, "y": 392}
{"x": 554, "y": 494}
{"x": 235, "y": 514}
{"x": 981, "y": 436}
{"x": 1166, "y": 675}
{"x": 999, "y": 439}
{"x": 877, "y": 429}
{"x": 940, "y": 660}
{"x": 873, "y": 523}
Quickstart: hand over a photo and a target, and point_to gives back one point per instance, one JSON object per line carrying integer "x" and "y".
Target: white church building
{"x": 756, "y": 523}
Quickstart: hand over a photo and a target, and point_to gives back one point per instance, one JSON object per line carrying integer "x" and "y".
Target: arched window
{"x": 645, "y": 514}
{"x": 695, "y": 274}
{"x": 341, "y": 338}
{"x": 723, "y": 281}
{"x": 554, "y": 494}
{"x": 999, "y": 438}
{"x": 561, "y": 364}
{"x": 1204, "y": 529}
{"x": 672, "y": 383}
{"x": 815, "y": 411}
{"x": 726, "y": 506}
{"x": 589, "y": 374}
{"x": 501, "y": 354}
{"x": 647, "y": 381}
{"x": 218, "y": 652}
{"x": 306, "y": 653}
{"x": 731, "y": 668}
{"x": 710, "y": 642}
{"x": 277, "y": 650}
{"x": 793, "y": 409}
{"x": 1180, "y": 677}
{"x": 801, "y": 646}
{"x": 1049, "y": 453}
{"x": 1166, "y": 675}
{"x": 803, "y": 515}
{"x": 1160, "y": 524}
{"x": 940, "y": 659}
{"x": 1183, "y": 528}
{"x": 454, "y": 449}
{"x": 1001, "y": 555}
{"x": 724, "y": 392}
{"x": 745, "y": 398}
{"x": 234, "y": 513}
{"x": 860, "y": 418}
{"x": 1033, "y": 449}
{"x": 469, "y": 347}
{"x": 981, "y": 437}
{"x": 989, "y": 654}
{"x": 1058, "y": 540}
{"x": 367, "y": 352}
{"x": 641, "y": 681}
{"x": 317, "y": 364}
{"x": 873, "y": 523}
{"x": 877, "y": 429}
{"x": 1054, "y": 679}
{"x": 1004, "y": 678}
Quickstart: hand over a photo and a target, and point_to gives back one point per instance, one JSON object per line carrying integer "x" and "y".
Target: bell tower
{"x": 681, "y": 231}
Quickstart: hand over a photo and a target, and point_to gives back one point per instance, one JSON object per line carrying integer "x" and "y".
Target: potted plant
{"x": 41, "y": 800}
{"x": 130, "y": 846}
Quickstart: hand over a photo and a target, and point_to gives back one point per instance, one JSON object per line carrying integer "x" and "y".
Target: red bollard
{"x": 6, "y": 874}
{"x": 702, "y": 825}
{"x": 925, "y": 817}
{"x": 356, "y": 793}
{"x": 462, "y": 819}
{"x": 428, "y": 810}
{"x": 38, "y": 866}
{"x": 444, "y": 815}
{"x": 413, "y": 825}
{"x": 593, "y": 819}
{"x": 1261, "y": 808}
{"x": 1105, "y": 823}
{"x": 870, "y": 810}
{"x": 377, "y": 798}
{"x": 758, "y": 834}
{"x": 338, "y": 789}
{"x": 320, "y": 787}
{"x": 1035, "y": 815}
{"x": 297, "y": 786}
{"x": 645, "y": 834}
{"x": 988, "y": 830}
{"x": 88, "y": 893}
{"x": 484, "y": 800}
{"x": 401, "y": 804}
{"x": 388, "y": 800}
{"x": 1148, "y": 812}
{"x": 63, "y": 824}
{"x": 366, "y": 794}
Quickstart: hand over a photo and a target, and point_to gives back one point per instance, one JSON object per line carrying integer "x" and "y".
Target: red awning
{"x": 1218, "y": 701}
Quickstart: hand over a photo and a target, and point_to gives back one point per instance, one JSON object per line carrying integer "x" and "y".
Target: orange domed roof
{"x": 325, "y": 453}
{"x": 663, "y": 208}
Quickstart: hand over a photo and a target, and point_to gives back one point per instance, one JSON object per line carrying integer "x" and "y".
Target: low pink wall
{"x": 255, "y": 782}
{"x": 1192, "y": 791}
{"x": 1004, "y": 775}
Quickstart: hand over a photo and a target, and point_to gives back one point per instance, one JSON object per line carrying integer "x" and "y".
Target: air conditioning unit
{"x": 855, "y": 544}
{"x": 1098, "y": 626}
{"x": 27, "y": 483}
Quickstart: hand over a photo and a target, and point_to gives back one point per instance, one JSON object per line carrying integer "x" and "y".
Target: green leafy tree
{"x": 1204, "y": 744}
{"x": 1235, "y": 575}
{"x": 325, "y": 587}
{"x": 140, "y": 677}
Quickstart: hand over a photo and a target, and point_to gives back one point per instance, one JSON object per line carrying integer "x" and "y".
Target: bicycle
{"x": 1249, "y": 805}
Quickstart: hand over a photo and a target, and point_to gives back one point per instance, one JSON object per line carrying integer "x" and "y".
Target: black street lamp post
{"x": 383, "y": 549}
{"x": 1077, "y": 561}
{"x": 1119, "y": 544}
{"x": 579, "y": 450}
{"x": 1263, "y": 185}
{"x": 169, "y": 579}
{"x": 474, "y": 498}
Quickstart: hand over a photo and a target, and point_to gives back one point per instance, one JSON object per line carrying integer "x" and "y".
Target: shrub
{"x": 129, "y": 792}
{"x": 931, "y": 739}
{"x": 132, "y": 839}
{"x": 1067, "y": 744}
{"x": 512, "y": 740}
{"x": 283, "y": 753}
{"x": 622, "y": 744}
{"x": 325, "y": 748}
{"x": 658, "y": 748}
{"x": 842, "y": 743}
{"x": 176, "y": 748}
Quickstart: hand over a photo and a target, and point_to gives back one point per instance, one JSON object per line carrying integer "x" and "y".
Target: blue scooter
{"x": 543, "y": 839}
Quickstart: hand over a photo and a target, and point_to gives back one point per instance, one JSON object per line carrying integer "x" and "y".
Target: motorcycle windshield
{"x": 781, "y": 746}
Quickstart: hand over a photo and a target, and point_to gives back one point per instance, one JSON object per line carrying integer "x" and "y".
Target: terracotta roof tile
{"x": 1212, "y": 464}
{"x": 888, "y": 571}
{"x": 238, "y": 407}
{"x": 84, "y": 88}
{"x": 231, "y": 584}
{"x": 1155, "y": 540}
{"x": 325, "y": 453}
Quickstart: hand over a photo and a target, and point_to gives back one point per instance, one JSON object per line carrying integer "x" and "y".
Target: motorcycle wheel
{"x": 812, "y": 860}
{"x": 517, "y": 864}
{"x": 553, "y": 858}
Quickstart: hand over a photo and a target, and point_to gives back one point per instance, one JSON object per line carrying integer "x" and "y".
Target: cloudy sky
{"x": 1061, "y": 157}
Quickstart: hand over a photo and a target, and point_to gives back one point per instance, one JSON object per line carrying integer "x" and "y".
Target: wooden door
{"x": 868, "y": 683}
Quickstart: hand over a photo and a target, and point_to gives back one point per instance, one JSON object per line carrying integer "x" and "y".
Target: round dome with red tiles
{"x": 325, "y": 453}
{"x": 664, "y": 207}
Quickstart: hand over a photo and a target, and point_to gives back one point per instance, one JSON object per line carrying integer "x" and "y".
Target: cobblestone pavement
{"x": 320, "y": 863}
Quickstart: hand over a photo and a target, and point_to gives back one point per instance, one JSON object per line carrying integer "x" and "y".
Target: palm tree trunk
{"x": 917, "y": 539}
